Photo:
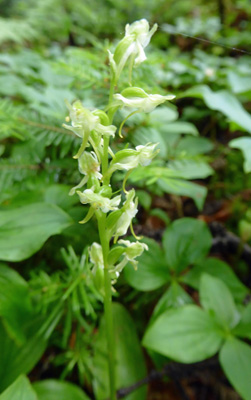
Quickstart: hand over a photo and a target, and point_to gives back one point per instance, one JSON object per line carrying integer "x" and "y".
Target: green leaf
{"x": 174, "y": 297}
{"x": 187, "y": 335}
{"x": 183, "y": 188}
{"x": 191, "y": 169}
{"x": 186, "y": 241}
{"x": 15, "y": 304}
{"x": 152, "y": 271}
{"x": 216, "y": 298}
{"x": 243, "y": 329}
{"x": 235, "y": 359}
{"x": 218, "y": 269}
{"x": 21, "y": 389}
{"x": 16, "y": 359}
{"x": 128, "y": 350}
{"x": 222, "y": 101}
{"x": 244, "y": 144}
{"x": 51, "y": 389}
{"x": 23, "y": 231}
{"x": 192, "y": 146}
{"x": 238, "y": 83}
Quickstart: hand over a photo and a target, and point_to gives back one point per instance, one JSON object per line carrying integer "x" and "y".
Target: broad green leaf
{"x": 174, "y": 297}
{"x": 244, "y": 144}
{"x": 238, "y": 83}
{"x": 187, "y": 335}
{"x": 21, "y": 389}
{"x": 183, "y": 188}
{"x": 130, "y": 364}
{"x": 192, "y": 146}
{"x": 180, "y": 127}
{"x": 186, "y": 241}
{"x": 243, "y": 329}
{"x": 16, "y": 359}
{"x": 235, "y": 359}
{"x": 191, "y": 169}
{"x": 59, "y": 195}
{"x": 15, "y": 304}
{"x": 218, "y": 269}
{"x": 23, "y": 231}
{"x": 216, "y": 298}
{"x": 222, "y": 101}
{"x": 51, "y": 389}
{"x": 152, "y": 271}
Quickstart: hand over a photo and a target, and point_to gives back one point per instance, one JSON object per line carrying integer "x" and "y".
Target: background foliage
{"x": 51, "y": 325}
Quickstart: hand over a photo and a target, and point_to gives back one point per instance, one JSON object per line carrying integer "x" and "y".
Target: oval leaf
{"x": 51, "y": 389}
{"x": 218, "y": 269}
{"x": 23, "y": 231}
{"x": 185, "y": 242}
{"x": 152, "y": 271}
{"x": 235, "y": 359}
{"x": 21, "y": 389}
{"x": 186, "y": 335}
{"x": 217, "y": 299}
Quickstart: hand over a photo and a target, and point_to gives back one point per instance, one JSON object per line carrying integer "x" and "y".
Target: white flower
{"x": 132, "y": 251}
{"x": 129, "y": 210}
{"x": 135, "y": 97}
{"x": 128, "y": 159}
{"x": 98, "y": 201}
{"x": 146, "y": 153}
{"x": 89, "y": 166}
{"x": 137, "y": 37}
{"x": 84, "y": 121}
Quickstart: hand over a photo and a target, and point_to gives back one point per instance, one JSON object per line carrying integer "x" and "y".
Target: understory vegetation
{"x": 125, "y": 226}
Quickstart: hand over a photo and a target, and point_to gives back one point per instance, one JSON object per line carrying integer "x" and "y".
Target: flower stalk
{"x": 95, "y": 128}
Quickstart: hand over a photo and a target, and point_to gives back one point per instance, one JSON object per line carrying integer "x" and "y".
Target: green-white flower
{"x": 84, "y": 121}
{"x": 128, "y": 212}
{"x": 89, "y": 166}
{"x": 132, "y": 251}
{"x": 137, "y": 98}
{"x": 128, "y": 159}
{"x": 98, "y": 201}
{"x": 137, "y": 37}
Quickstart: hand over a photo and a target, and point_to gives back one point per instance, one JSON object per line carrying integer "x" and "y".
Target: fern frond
{"x": 17, "y": 31}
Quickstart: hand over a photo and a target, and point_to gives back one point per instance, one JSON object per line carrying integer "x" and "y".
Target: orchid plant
{"x": 97, "y": 163}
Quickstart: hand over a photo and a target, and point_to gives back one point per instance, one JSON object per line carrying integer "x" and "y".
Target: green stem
{"x": 101, "y": 217}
